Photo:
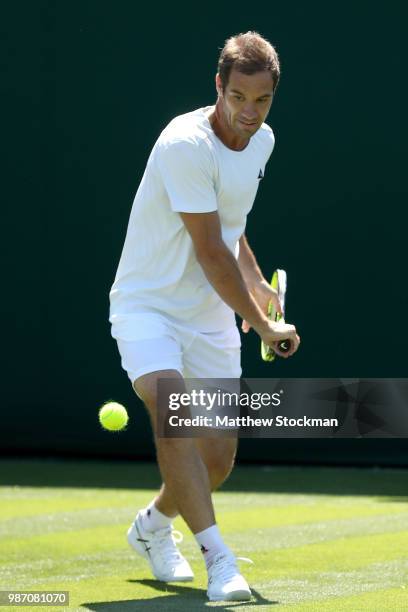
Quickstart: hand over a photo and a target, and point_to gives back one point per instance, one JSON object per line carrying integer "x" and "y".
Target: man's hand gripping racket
{"x": 286, "y": 345}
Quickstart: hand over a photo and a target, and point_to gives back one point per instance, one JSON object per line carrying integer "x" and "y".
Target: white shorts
{"x": 149, "y": 342}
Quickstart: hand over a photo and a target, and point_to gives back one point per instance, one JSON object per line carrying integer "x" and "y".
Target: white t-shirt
{"x": 189, "y": 170}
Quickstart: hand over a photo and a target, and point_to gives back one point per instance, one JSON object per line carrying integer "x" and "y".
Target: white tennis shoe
{"x": 225, "y": 583}
{"x": 159, "y": 548}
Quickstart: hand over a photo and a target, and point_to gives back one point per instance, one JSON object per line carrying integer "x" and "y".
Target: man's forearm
{"x": 248, "y": 265}
{"x": 224, "y": 274}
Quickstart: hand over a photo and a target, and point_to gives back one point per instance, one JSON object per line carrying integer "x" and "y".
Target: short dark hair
{"x": 248, "y": 53}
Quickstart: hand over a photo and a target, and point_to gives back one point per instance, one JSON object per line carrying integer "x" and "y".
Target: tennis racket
{"x": 278, "y": 283}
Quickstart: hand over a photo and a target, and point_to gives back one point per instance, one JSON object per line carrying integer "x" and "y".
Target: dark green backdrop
{"x": 89, "y": 85}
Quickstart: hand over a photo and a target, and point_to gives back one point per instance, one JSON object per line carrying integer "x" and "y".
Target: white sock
{"x": 153, "y": 519}
{"x": 211, "y": 543}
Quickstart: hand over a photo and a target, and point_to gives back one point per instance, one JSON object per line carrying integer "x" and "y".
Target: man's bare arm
{"x": 220, "y": 266}
{"x": 224, "y": 274}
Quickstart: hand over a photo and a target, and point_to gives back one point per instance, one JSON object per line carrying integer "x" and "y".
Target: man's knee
{"x": 219, "y": 472}
{"x": 146, "y": 387}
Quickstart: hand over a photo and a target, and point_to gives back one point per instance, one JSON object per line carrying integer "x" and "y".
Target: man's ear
{"x": 218, "y": 84}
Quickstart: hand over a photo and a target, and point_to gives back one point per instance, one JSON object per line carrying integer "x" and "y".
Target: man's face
{"x": 246, "y": 101}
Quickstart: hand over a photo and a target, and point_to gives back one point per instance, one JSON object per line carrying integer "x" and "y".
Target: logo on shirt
{"x": 260, "y": 175}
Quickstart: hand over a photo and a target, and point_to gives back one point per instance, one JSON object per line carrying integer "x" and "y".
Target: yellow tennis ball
{"x": 113, "y": 416}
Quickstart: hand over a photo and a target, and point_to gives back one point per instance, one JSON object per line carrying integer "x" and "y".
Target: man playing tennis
{"x": 185, "y": 269}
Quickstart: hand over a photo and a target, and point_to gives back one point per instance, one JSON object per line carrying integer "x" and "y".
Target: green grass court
{"x": 320, "y": 538}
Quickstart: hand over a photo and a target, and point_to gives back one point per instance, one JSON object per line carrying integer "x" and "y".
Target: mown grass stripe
{"x": 248, "y": 518}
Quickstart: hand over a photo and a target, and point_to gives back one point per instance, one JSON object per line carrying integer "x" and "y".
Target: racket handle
{"x": 284, "y": 346}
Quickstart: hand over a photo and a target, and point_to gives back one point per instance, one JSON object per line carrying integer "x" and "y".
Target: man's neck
{"x": 223, "y": 131}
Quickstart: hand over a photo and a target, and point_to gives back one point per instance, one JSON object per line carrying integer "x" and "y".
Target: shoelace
{"x": 167, "y": 539}
{"x": 246, "y": 560}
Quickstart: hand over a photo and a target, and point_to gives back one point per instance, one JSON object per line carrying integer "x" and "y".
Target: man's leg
{"x": 183, "y": 470}
{"x": 187, "y": 489}
{"x": 185, "y": 465}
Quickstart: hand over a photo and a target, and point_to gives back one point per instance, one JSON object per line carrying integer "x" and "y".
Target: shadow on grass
{"x": 189, "y": 599}
{"x": 119, "y": 474}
